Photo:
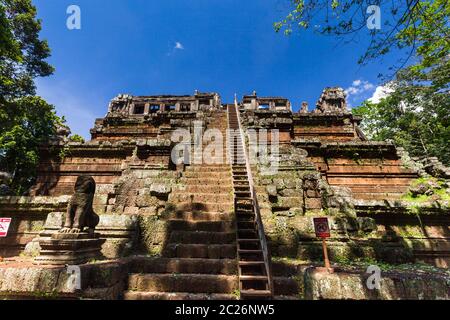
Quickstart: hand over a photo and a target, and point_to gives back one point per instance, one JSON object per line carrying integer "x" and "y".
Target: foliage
{"x": 25, "y": 123}
{"x": 25, "y": 120}
{"x": 22, "y": 53}
{"x": 405, "y": 24}
{"x": 415, "y": 115}
{"x": 76, "y": 138}
{"x": 437, "y": 191}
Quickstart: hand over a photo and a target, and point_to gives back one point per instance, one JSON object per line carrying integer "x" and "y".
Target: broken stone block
{"x": 32, "y": 249}
{"x": 366, "y": 224}
{"x": 272, "y": 190}
{"x": 131, "y": 210}
{"x": 291, "y": 193}
{"x": 160, "y": 189}
{"x": 148, "y": 211}
{"x": 290, "y": 202}
{"x": 312, "y": 194}
{"x": 313, "y": 203}
{"x": 279, "y": 183}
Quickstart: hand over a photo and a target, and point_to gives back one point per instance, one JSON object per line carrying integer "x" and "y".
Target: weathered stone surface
{"x": 340, "y": 285}
{"x": 98, "y": 281}
{"x": 324, "y": 167}
{"x": 160, "y": 189}
{"x": 119, "y": 232}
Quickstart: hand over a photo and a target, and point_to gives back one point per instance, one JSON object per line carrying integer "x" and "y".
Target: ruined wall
{"x": 325, "y": 127}
{"x": 328, "y": 168}
{"x": 129, "y": 157}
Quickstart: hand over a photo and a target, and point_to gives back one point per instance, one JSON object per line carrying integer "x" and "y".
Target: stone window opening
{"x": 185, "y": 107}
{"x": 264, "y": 107}
{"x": 139, "y": 109}
{"x": 169, "y": 107}
{"x": 154, "y": 108}
{"x": 279, "y": 105}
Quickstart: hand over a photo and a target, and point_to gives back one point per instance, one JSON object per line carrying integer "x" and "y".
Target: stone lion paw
{"x": 64, "y": 230}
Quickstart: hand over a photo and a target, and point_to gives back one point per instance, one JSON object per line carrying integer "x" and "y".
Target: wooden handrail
{"x": 261, "y": 233}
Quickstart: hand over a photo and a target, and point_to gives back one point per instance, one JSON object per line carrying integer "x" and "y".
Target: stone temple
{"x": 218, "y": 225}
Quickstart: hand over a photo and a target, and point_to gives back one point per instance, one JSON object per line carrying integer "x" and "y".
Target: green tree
{"x": 26, "y": 121}
{"x": 409, "y": 25}
{"x": 76, "y": 138}
{"x": 416, "y": 113}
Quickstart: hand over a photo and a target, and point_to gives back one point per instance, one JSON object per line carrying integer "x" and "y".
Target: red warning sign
{"x": 4, "y": 226}
{"x": 322, "y": 227}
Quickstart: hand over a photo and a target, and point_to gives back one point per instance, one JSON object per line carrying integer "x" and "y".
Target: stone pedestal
{"x": 69, "y": 249}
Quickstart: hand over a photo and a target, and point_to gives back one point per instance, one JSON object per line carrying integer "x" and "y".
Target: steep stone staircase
{"x": 255, "y": 280}
{"x": 199, "y": 258}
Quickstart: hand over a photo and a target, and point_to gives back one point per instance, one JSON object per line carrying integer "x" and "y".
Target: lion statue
{"x": 80, "y": 216}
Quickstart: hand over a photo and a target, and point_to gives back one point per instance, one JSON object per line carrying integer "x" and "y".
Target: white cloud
{"x": 178, "y": 46}
{"x": 358, "y": 87}
{"x": 380, "y": 93}
{"x": 172, "y": 49}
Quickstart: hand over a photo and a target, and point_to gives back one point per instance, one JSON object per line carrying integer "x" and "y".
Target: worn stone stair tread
{"x": 251, "y": 263}
{"x": 255, "y": 293}
{"x": 286, "y": 297}
{"x": 253, "y": 278}
{"x": 184, "y": 265}
{"x": 143, "y": 295}
{"x": 194, "y": 216}
{"x": 195, "y": 283}
{"x": 207, "y": 251}
{"x": 202, "y": 237}
{"x": 201, "y": 225}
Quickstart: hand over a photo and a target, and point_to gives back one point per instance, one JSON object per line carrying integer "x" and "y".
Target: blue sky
{"x": 144, "y": 47}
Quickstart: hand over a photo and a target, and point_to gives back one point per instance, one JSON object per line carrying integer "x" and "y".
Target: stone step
{"x": 208, "y": 174}
{"x": 255, "y": 294}
{"x": 212, "y": 226}
{"x": 207, "y": 161}
{"x": 193, "y": 283}
{"x": 206, "y": 206}
{"x": 202, "y": 237}
{"x": 202, "y": 188}
{"x": 209, "y": 168}
{"x": 188, "y": 215}
{"x": 211, "y": 251}
{"x": 176, "y": 296}
{"x": 183, "y": 265}
{"x": 206, "y": 181}
{"x": 297, "y": 297}
{"x": 181, "y": 196}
